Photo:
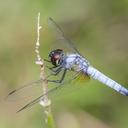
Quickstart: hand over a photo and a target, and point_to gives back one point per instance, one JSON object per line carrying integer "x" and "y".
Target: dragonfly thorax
{"x": 75, "y": 62}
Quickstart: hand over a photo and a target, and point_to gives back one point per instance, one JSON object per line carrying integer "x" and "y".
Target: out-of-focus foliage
{"x": 99, "y": 28}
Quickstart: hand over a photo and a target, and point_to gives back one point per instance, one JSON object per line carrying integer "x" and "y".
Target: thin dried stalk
{"x": 45, "y": 101}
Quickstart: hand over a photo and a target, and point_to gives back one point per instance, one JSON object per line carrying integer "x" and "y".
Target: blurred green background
{"x": 99, "y": 28}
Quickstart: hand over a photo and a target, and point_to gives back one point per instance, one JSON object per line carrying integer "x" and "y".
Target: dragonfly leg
{"x": 62, "y": 78}
{"x": 51, "y": 68}
{"x": 56, "y": 71}
{"x": 47, "y": 61}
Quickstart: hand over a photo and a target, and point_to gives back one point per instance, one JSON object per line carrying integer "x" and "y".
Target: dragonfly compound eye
{"x": 56, "y": 57}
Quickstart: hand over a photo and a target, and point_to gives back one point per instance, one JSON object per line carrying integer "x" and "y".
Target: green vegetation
{"x": 100, "y": 31}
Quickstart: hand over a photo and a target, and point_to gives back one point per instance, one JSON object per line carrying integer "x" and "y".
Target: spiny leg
{"x": 53, "y": 68}
{"x": 47, "y": 61}
{"x": 62, "y": 78}
{"x": 56, "y": 71}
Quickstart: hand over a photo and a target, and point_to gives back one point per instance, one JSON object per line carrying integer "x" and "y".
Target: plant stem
{"x": 45, "y": 101}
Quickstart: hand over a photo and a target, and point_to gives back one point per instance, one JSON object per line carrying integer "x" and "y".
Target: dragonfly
{"x": 67, "y": 62}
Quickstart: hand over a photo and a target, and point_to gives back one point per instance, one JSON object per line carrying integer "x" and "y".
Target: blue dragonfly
{"x": 66, "y": 62}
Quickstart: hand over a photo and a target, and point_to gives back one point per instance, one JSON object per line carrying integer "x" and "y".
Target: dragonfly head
{"x": 56, "y": 57}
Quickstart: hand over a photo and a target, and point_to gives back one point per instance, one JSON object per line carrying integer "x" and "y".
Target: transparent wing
{"x": 37, "y": 100}
{"x": 57, "y": 89}
{"x": 25, "y": 92}
{"x": 64, "y": 43}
